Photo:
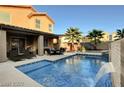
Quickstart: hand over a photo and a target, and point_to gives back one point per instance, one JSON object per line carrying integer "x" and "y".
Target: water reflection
{"x": 82, "y": 64}
{"x": 74, "y": 60}
{"x": 72, "y": 64}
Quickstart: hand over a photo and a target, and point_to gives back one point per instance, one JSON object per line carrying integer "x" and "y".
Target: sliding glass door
{"x": 18, "y": 44}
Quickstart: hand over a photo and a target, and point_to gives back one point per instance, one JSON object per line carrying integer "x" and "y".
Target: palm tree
{"x": 120, "y": 34}
{"x": 73, "y": 35}
{"x": 95, "y": 36}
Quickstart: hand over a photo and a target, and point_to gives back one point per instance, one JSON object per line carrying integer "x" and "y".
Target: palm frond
{"x": 95, "y": 35}
{"x": 119, "y": 34}
{"x": 73, "y": 34}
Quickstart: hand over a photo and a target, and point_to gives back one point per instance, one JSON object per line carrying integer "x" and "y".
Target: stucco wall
{"x": 40, "y": 45}
{"x": 3, "y": 49}
{"x": 44, "y": 23}
{"x": 122, "y": 62}
{"x": 103, "y": 45}
{"x": 19, "y": 16}
{"x": 105, "y": 37}
{"x": 64, "y": 44}
{"x": 117, "y": 59}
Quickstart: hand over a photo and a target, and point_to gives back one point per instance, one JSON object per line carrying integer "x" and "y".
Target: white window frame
{"x": 51, "y": 28}
{"x": 37, "y": 25}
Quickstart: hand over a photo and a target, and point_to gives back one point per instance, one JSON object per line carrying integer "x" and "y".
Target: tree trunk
{"x": 71, "y": 47}
{"x": 95, "y": 44}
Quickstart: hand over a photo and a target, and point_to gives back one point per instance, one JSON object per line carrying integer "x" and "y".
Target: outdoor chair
{"x": 54, "y": 51}
{"x": 13, "y": 55}
{"x": 59, "y": 51}
{"x": 49, "y": 51}
{"x": 62, "y": 50}
{"x": 28, "y": 54}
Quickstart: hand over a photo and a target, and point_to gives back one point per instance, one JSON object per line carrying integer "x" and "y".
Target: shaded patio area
{"x": 18, "y": 43}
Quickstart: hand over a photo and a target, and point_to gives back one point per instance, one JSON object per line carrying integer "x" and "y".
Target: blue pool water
{"x": 74, "y": 71}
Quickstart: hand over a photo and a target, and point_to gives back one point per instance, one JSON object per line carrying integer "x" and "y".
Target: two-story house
{"x": 22, "y": 27}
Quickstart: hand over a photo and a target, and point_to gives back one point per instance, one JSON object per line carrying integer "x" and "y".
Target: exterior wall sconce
{"x": 55, "y": 41}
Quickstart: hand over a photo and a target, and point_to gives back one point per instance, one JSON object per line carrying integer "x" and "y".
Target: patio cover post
{"x": 3, "y": 46}
{"x": 40, "y": 45}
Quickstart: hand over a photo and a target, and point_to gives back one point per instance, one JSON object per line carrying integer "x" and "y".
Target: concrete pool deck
{"x": 12, "y": 77}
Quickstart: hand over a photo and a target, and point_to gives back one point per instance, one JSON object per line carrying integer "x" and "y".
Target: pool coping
{"x": 55, "y": 59}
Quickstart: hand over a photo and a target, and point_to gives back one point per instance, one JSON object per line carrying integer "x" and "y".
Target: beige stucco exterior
{"x": 44, "y": 23}
{"x": 23, "y": 16}
{"x": 105, "y": 37}
{"x": 64, "y": 44}
{"x": 23, "y": 28}
{"x": 85, "y": 39}
{"x": 3, "y": 55}
{"x": 113, "y": 36}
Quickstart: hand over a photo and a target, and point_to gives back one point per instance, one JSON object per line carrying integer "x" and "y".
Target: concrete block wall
{"x": 115, "y": 53}
{"x": 103, "y": 45}
{"x": 117, "y": 59}
{"x": 122, "y": 62}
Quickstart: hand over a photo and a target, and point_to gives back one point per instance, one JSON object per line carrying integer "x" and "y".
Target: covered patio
{"x": 22, "y": 42}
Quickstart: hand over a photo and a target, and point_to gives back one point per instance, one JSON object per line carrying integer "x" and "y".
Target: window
{"x": 37, "y": 23}
{"x": 110, "y": 37}
{"x": 4, "y": 17}
{"x": 50, "y": 27}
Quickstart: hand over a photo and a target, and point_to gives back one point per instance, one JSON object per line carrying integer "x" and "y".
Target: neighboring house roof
{"x": 20, "y": 6}
{"x": 17, "y": 29}
{"x": 40, "y": 14}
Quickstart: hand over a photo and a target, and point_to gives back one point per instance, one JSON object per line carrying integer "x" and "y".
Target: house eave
{"x": 16, "y": 29}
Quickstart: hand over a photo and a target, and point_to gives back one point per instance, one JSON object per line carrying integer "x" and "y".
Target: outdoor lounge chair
{"x": 49, "y": 51}
{"x": 59, "y": 51}
{"x": 55, "y": 51}
{"x": 13, "y": 55}
{"x": 28, "y": 54}
{"x": 62, "y": 50}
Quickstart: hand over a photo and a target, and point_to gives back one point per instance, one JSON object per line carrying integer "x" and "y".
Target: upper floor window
{"x": 37, "y": 23}
{"x": 4, "y": 17}
{"x": 50, "y": 27}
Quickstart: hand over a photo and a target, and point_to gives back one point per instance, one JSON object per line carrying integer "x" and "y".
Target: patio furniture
{"x": 62, "y": 49}
{"x": 13, "y": 55}
{"x": 49, "y": 51}
{"x": 29, "y": 53}
{"x": 54, "y": 51}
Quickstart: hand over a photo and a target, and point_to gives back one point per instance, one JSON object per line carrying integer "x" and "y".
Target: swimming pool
{"x": 73, "y": 71}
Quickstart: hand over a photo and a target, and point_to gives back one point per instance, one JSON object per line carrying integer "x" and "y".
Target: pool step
{"x": 32, "y": 67}
{"x": 36, "y": 69}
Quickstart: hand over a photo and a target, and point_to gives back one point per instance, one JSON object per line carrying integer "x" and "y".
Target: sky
{"x": 86, "y": 18}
